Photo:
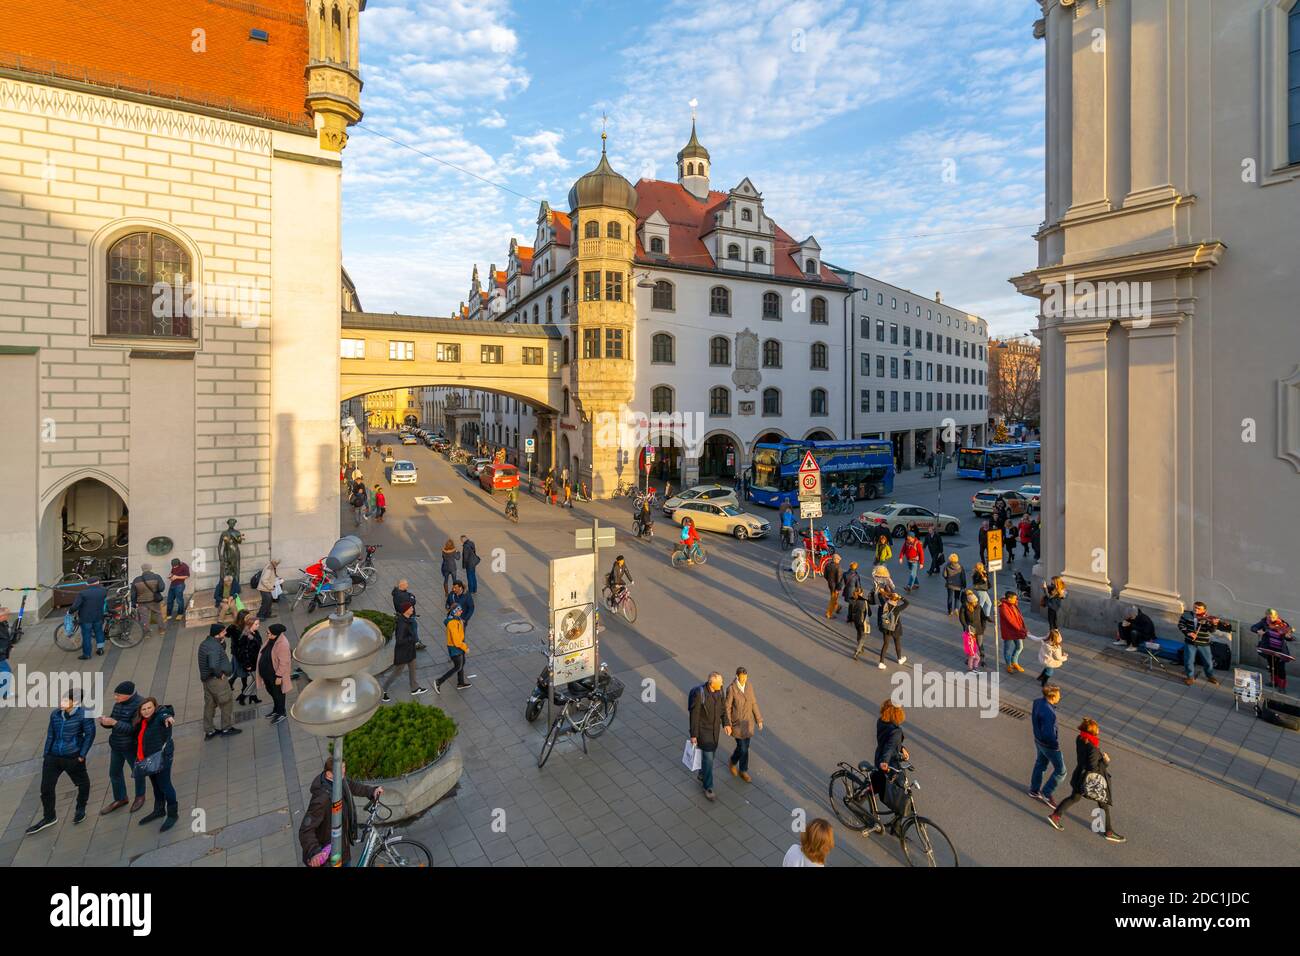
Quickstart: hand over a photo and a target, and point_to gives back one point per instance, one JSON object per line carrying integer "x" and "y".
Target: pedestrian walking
{"x": 381, "y": 504}
{"x": 745, "y": 720}
{"x": 121, "y": 746}
{"x": 883, "y": 550}
{"x": 1036, "y": 538}
{"x": 1274, "y": 635}
{"x": 1134, "y": 630}
{"x": 707, "y": 707}
{"x": 934, "y": 544}
{"x": 316, "y": 830}
{"x": 459, "y": 596}
{"x": 1091, "y": 779}
{"x": 176, "y": 581}
{"x": 1052, "y": 600}
{"x": 357, "y": 499}
{"x": 973, "y": 620}
{"x": 954, "y": 582}
{"x": 267, "y": 582}
{"x": 275, "y": 670}
{"x": 147, "y": 596}
{"x": 1196, "y": 626}
{"x": 1009, "y": 540}
{"x": 833, "y": 582}
{"x": 858, "y": 617}
{"x": 229, "y": 603}
{"x": 984, "y": 541}
{"x": 1024, "y": 532}
{"x": 215, "y": 669}
{"x": 1047, "y": 746}
{"x": 1051, "y": 654}
{"x": 88, "y": 608}
{"x": 814, "y": 846}
{"x": 68, "y": 738}
{"x": 245, "y": 648}
{"x": 402, "y": 596}
{"x": 889, "y": 618}
{"x": 403, "y": 656}
{"x": 457, "y": 649}
{"x": 154, "y": 749}
{"x": 850, "y": 581}
{"x": 979, "y": 582}
{"x": 6, "y": 642}
{"x": 913, "y": 555}
{"x": 449, "y": 558}
{"x": 469, "y": 560}
{"x": 371, "y": 509}
{"x": 1011, "y": 624}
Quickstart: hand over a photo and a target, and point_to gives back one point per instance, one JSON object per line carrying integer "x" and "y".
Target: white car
{"x": 716, "y": 494}
{"x": 1034, "y": 493}
{"x": 410, "y": 440}
{"x": 722, "y": 517}
{"x": 402, "y": 473}
{"x": 897, "y": 518}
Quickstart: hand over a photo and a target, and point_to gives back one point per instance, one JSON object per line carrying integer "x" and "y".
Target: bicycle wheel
{"x": 403, "y": 852}
{"x": 675, "y": 558}
{"x": 124, "y": 632}
{"x": 91, "y": 541}
{"x": 924, "y": 844}
{"x": 628, "y": 610}
{"x": 548, "y": 744}
{"x": 533, "y": 709}
{"x": 66, "y": 641}
{"x": 602, "y": 716}
{"x": 842, "y": 788}
{"x": 801, "y": 571}
{"x": 701, "y": 557}
{"x": 369, "y": 573}
{"x": 69, "y": 541}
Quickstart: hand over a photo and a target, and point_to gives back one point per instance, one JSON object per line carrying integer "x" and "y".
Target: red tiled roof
{"x": 136, "y": 46}
{"x": 501, "y": 279}
{"x": 563, "y": 227}
{"x": 525, "y": 256}
{"x": 689, "y": 219}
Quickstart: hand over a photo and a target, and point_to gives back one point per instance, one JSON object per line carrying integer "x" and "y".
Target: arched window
{"x": 550, "y": 317}
{"x": 661, "y": 349}
{"x": 819, "y": 356}
{"x": 819, "y": 310}
{"x": 719, "y": 401}
{"x": 719, "y": 301}
{"x": 663, "y": 295}
{"x": 690, "y": 169}
{"x": 771, "y": 305}
{"x": 661, "y": 399}
{"x": 135, "y": 263}
{"x": 759, "y": 256}
{"x": 771, "y": 401}
{"x": 817, "y": 404}
{"x": 772, "y": 354}
{"x": 811, "y": 267}
{"x": 564, "y": 302}
{"x": 565, "y": 409}
{"x": 733, "y": 251}
{"x": 746, "y": 215}
{"x": 657, "y": 245}
{"x": 613, "y": 230}
{"x": 564, "y": 352}
{"x": 719, "y": 350}
{"x": 535, "y": 316}
{"x": 336, "y": 36}
{"x": 591, "y": 230}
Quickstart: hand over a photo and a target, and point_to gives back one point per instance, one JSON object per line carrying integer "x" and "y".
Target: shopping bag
{"x": 692, "y": 759}
{"x": 277, "y": 589}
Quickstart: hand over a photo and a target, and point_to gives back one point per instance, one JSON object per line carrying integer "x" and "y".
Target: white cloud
{"x": 493, "y": 120}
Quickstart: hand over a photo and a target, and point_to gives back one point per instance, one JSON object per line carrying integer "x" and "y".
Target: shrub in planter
{"x": 386, "y": 623}
{"x": 397, "y": 740}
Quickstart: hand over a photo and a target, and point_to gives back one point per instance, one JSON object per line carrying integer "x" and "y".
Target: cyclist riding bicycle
{"x": 890, "y": 752}
{"x": 619, "y": 577}
{"x": 690, "y": 538}
{"x": 644, "y": 518}
{"x": 512, "y": 502}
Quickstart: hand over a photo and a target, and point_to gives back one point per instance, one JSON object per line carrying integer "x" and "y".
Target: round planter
{"x": 417, "y": 791}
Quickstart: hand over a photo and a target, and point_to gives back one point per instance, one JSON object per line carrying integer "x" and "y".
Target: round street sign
{"x": 810, "y": 481}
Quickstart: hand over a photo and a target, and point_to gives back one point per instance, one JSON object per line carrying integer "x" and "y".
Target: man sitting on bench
{"x": 1135, "y": 630}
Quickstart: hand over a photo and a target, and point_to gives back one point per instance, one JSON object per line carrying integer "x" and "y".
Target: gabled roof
{"x": 563, "y": 227}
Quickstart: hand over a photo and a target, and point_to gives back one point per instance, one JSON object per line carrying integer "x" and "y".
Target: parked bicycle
{"x": 365, "y": 567}
{"x": 812, "y": 557}
{"x": 639, "y": 498}
{"x": 854, "y": 804}
{"x": 381, "y": 846}
{"x": 81, "y": 539}
{"x": 586, "y": 714}
{"x": 121, "y": 626}
{"x": 625, "y": 489}
{"x": 682, "y": 555}
{"x": 623, "y": 604}
{"x": 852, "y": 534}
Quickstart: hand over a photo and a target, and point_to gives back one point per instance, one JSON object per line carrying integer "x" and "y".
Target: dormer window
{"x": 746, "y": 215}
{"x": 733, "y": 251}
{"x": 657, "y": 246}
{"x": 810, "y": 267}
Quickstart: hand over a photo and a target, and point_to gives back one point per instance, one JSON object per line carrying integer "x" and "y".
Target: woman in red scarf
{"x": 153, "y": 736}
{"x": 1091, "y": 779}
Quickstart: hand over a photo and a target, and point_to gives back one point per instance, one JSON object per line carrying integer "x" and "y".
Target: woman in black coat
{"x": 973, "y": 619}
{"x": 245, "y": 646}
{"x": 1090, "y": 759}
{"x": 152, "y": 729}
{"x": 890, "y": 751}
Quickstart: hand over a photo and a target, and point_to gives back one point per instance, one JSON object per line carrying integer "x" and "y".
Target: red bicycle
{"x": 816, "y": 552}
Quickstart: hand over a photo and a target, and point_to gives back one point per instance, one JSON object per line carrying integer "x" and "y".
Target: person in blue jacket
{"x": 89, "y": 609}
{"x": 1048, "y": 744}
{"x": 67, "y": 743}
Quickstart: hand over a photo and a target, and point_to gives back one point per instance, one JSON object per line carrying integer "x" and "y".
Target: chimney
{"x": 938, "y": 296}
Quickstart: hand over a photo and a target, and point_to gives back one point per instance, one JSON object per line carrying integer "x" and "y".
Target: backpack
{"x": 256, "y": 579}
{"x": 888, "y": 618}
{"x": 693, "y": 696}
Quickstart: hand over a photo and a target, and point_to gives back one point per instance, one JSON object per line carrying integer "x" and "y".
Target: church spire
{"x": 693, "y": 164}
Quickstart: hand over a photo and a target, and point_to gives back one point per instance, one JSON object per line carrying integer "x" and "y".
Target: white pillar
{"x": 1149, "y": 101}
{"x": 1086, "y": 491}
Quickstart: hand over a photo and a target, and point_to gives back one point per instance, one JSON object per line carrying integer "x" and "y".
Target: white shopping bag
{"x": 276, "y": 589}
{"x": 691, "y": 757}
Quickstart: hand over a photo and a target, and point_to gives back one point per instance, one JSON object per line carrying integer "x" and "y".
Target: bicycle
{"x": 851, "y": 533}
{"x": 588, "y": 715}
{"x": 121, "y": 627}
{"x": 640, "y": 498}
{"x": 854, "y": 803}
{"x": 80, "y": 538}
{"x": 16, "y": 631}
{"x": 512, "y": 511}
{"x": 625, "y": 489}
{"x": 380, "y": 846}
{"x": 692, "y": 555}
{"x": 622, "y": 605}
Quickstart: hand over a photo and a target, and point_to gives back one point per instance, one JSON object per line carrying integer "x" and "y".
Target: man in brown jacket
{"x": 315, "y": 832}
{"x": 745, "y": 719}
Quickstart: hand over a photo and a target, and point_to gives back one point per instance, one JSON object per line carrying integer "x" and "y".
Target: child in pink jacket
{"x": 970, "y": 646}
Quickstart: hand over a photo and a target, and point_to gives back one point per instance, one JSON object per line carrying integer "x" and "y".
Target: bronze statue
{"x": 228, "y": 550}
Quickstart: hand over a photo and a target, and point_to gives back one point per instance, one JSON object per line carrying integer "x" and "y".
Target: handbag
{"x": 149, "y": 765}
{"x": 1095, "y": 787}
{"x": 691, "y": 757}
{"x": 276, "y": 589}
{"x": 69, "y": 624}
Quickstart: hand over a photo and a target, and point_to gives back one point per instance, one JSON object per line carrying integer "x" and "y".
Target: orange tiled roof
{"x": 563, "y": 227}
{"x": 129, "y": 45}
{"x": 501, "y": 279}
{"x": 525, "y": 256}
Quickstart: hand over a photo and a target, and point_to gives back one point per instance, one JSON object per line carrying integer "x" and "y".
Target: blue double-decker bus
{"x": 1000, "y": 461}
{"x": 865, "y": 467}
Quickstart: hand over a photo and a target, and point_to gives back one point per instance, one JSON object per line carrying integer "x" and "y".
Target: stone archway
{"x": 93, "y": 501}
{"x": 720, "y": 458}
{"x": 819, "y": 434}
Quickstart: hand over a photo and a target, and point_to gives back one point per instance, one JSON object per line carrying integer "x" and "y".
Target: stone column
{"x": 1088, "y": 115}
{"x": 1149, "y": 102}
{"x": 909, "y": 448}
{"x": 1084, "y": 423}
{"x": 1152, "y": 465}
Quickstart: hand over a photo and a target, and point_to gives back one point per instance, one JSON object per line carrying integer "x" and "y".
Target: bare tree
{"x": 1015, "y": 381}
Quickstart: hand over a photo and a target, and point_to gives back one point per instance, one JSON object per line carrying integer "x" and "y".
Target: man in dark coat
{"x": 1136, "y": 629}
{"x": 89, "y": 610}
{"x": 469, "y": 560}
{"x": 403, "y": 655}
{"x": 934, "y": 544}
{"x": 67, "y": 744}
{"x": 459, "y": 595}
{"x": 708, "y": 708}
{"x": 402, "y": 596}
{"x": 314, "y": 834}
{"x": 122, "y": 746}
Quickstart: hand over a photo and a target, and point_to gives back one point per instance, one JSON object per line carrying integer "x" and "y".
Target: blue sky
{"x": 903, "y": 134}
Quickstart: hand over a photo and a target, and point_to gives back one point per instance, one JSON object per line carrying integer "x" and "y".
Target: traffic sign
{"x": 811, "y": 508}
{"x": 810, "y": 478}
{"x": 809, "y": 463}
{"x": 530, "y": 445}
{"x": 604, "y": 538}
{"x": 995, "y": 550}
